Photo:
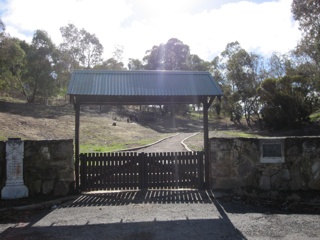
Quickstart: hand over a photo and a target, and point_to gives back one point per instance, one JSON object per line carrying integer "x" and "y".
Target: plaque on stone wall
{"x": 271, "y": 151}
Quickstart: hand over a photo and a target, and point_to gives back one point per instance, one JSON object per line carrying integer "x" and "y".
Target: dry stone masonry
{"x": 291, "y": 163}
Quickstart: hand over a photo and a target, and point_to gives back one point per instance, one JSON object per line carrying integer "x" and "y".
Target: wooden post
{"x": 200, "y": 169}
{"x": 206, "y": 106}
{"x": 76, "y": 144}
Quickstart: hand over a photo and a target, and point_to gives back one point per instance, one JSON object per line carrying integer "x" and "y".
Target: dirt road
{"x": 161, "y": 214}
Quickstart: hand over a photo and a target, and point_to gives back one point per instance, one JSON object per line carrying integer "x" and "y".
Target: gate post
{"x": 77, "y": 145}
{"x": 83, "y": 172}
{"x": 200, "y": 170}
{"x": 206, "y": 106}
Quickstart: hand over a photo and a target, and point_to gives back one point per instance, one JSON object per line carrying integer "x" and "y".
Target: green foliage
{"x": 172, "y": 55}
{"x": 307, "y": 13}
{"x": 80, "y": 48}
{"x": 285, "y": 102}
{"x": 12, "y": 65}
{"x": 135, "y": 64}
{"x": 195, "y": 63}
{"x": 40, "y": 77}
{"x": 239, "y": 74}
{"x": 110, "y": 64}
{"x": 315, "y": 117}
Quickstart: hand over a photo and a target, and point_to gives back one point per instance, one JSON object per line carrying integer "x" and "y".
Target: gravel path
{"x": 172, "y": 144}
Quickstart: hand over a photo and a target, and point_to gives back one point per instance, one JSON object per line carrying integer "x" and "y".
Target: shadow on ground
{"x": 143, "y": 197}
{"x": 214, "y": 226}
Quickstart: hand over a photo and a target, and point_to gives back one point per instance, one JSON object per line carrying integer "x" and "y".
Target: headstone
{"x": 14, "y": 187}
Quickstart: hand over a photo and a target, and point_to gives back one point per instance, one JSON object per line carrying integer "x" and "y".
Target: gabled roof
{"x": 155, "y": 85}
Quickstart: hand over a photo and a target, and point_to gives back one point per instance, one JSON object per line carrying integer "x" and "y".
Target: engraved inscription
{"x": 271, "y": 150}
{"x": 14, "y": 149}
{"x": 14, "y": 187}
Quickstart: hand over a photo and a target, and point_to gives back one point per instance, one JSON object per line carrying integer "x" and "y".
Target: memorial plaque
{"x": 271, "y": 150}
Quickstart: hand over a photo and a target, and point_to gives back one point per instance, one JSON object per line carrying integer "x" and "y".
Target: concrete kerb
{"x": 148, "y": 145}
{"x": 185, "y": 145}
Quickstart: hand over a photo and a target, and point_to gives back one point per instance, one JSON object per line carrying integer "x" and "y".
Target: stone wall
{"x": 48, "y": 166}
{"x": 235, "y": 162}
{"x": 2, "y": 164}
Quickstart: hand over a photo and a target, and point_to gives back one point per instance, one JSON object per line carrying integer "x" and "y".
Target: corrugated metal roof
{"x": 142, "y": 83}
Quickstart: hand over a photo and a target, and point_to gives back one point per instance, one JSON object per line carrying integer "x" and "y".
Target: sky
{"x": 206, "y": 26}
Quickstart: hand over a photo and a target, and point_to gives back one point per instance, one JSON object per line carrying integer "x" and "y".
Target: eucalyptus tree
{"x": 42, "y": 59}
{"x": 110, "y": 64}
{"x": 195, "y": 63}
{"x": 2, "y": 29}
{"x": 12, "y": 66}
{"x": 242, "y": 72}
{"x": 307, "y": 13}
{"x": 80, "y": 48}
{"x": 173, "y": 55}
{"x": 135, "y": 64}
{"x": 30, "y": 69}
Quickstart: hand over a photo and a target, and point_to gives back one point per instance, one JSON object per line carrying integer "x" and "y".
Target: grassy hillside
{"x": 97, "y": 133}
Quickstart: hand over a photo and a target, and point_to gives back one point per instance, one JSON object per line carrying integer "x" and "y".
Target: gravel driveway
{"x": 161, "y": 214}
{"x": 172, "y": 144}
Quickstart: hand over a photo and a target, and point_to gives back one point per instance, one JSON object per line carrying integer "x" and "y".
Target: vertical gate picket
{"x": 111, "y": 170}
{"x": 103, "y": 171}
{"x": 171, "y": 173}
{"x": 186, "y": 166}
{"x": 89, "y": 171}
{"x": 94, "y": 172}
{"x": 136, "y": 170}
{"x": 189, "y": 169}
{"x": 166, "y": 169}
{"x": 141, "y": 161}
{"x": 120, "y": 172}
{"x": 115, "y": 172}
{"x": 99, "y": 177}
{"x": 111, "y": 166}
{"x": 125, "y": 161}
{"x": 132, "y": 170}
{"x": 200, "y": 170}
{"x": 180, "y": 169}
{"x": 160, "y": 156}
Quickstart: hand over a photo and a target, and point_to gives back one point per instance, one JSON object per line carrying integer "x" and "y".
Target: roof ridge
{"x": 140, "y": 71}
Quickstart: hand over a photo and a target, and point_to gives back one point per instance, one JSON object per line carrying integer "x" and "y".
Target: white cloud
{"x": 139, "y": 24}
